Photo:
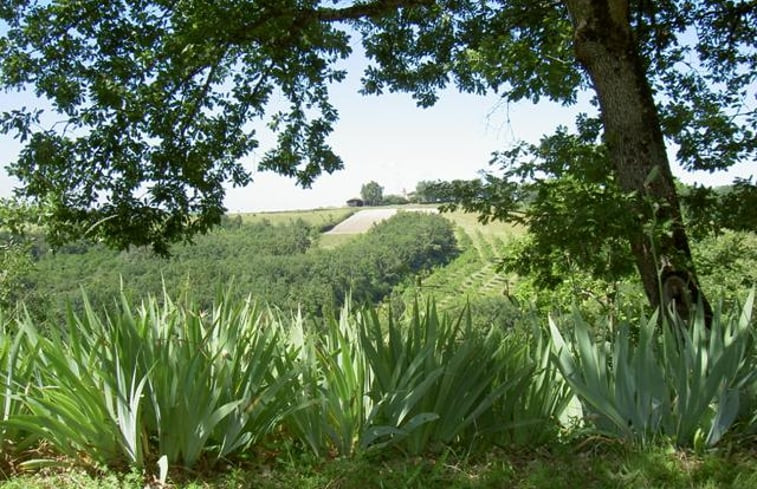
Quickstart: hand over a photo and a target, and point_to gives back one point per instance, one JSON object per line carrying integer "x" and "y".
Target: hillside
{"x": 472, "y": 277}
{"x": 418, "y": 398}
{"x": 278, "y": 261}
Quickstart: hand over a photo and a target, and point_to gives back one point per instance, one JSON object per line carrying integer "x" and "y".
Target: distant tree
{"x": 426, "y": 191}
{"x": 732, "y": 207}
{"x": 394, "y": 199}
{"x": 372, "y": 193}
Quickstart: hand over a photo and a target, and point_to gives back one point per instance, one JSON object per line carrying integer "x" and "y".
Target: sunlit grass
{"x": 598, "y": 465}
{"x": 331, "y": 241}
{"x": 315, "y": 217}
{"x": 469, "y": 222}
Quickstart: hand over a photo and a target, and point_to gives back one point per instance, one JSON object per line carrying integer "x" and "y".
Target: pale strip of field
{"x": 314, "y": 217}
{"x": 362, "y": 221}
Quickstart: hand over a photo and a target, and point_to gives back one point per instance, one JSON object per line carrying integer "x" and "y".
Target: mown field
{"x": 402, "y": 357}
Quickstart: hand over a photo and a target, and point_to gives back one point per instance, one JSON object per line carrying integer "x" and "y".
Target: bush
{"x": 171, "y": 378}
{"x": 393, "y": 199}
{"x": 683, "y": 383}
{"x": 727, "y": 263}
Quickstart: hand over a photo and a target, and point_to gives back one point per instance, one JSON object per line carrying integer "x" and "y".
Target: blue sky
{"x": 389, "y": 140}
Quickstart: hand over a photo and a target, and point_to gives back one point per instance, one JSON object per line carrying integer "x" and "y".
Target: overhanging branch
{"x": 299, "y": 19}
{"x": 373, "y": 9}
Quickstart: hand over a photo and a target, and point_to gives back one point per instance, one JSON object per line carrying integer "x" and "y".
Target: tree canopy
{"x": 158, "y": 100}
{"x": 372, "y": 193}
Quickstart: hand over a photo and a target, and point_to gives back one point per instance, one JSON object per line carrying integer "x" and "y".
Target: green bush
{"x": 727, "y": 263}
{"x": 165, "y": 380}
{"x": 682, "y": 383}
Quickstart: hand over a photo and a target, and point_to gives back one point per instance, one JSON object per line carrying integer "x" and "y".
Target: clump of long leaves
{"x": 433, "y": 378}
{"x": 16, "y": 368}
{"x": 682, "y": 382}
{"x": 536, "y": 409}
{"x": 330, "y": 404}
{"x": 417, "y": 383}
{"x": 167, "y": 380}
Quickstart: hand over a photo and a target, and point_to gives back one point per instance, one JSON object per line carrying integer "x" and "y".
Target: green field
{"x": 315, "y": 217}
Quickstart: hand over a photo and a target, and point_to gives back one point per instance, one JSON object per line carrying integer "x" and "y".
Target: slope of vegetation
{"x": 322, "y": 219}
{"x": 473, "y": 278}
{"x": 491, "y": 274}
{"x": 280, "y": 264}
{"x": 223, "y": 391}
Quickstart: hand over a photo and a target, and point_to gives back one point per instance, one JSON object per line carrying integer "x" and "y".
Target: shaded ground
{"x": 590, "y": 464}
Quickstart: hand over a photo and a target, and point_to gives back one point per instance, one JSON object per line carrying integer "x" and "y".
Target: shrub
{"x": 683, "y": 383}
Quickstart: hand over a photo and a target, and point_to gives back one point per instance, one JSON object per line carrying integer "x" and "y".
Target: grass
{"x": 470, "y": 224}
{"x": 473, "y": 276}
{"x": 331, "y": 241}
{"x": 316, "y": 217}
{"x": 588, "y": 465}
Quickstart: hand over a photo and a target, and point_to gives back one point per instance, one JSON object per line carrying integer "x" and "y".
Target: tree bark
{"x": 605, "y": 46}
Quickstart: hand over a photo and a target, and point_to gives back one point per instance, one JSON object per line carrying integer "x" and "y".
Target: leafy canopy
{"x": 156, "y": 102}
{"x": 372, "y": 193}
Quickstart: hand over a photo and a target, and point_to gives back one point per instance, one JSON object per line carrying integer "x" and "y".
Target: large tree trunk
{"x": 605, "y": 46}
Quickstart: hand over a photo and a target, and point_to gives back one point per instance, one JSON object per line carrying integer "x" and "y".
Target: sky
{"x": 389, "y": 140}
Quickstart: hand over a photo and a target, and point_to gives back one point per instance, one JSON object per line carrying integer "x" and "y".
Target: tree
{"x": 394, "y": 199}
{"x": 15, "y": 249}
{"x": 372, "y": 193}
{"x": 426, "y": 192}
{"x": 157, "y": 96}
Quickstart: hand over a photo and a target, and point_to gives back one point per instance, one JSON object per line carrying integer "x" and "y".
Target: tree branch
{"x": 376, "y": 8}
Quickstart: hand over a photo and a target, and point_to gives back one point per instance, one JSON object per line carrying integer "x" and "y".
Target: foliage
{"x": 472, "y": 279}
{"x": 575, "y": 214}
{"x": 199, "y": 384}
{"x": 598, "y": 188}
{"x": 164, "y": 115}
{"x": 16, "y": 219}
{"x": 279, "y": 262}
{"x": 732, "y": 207}
{"x": 684, "y": 384}
{"x": 165, "y": 380}
{"x": 372, "y": 193}
{"x": 420, "y": 383}
{"x": 176, "y": 380}
{"x": 426, "y": 192}
{"x": 160, "y": 97}
{"x": 728, "y": 261}
{"x": 394, "y": 199}
{"x": 15, "y": 263}
{"x": 441, "y": 377}
{"x": 554, "y": 282}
